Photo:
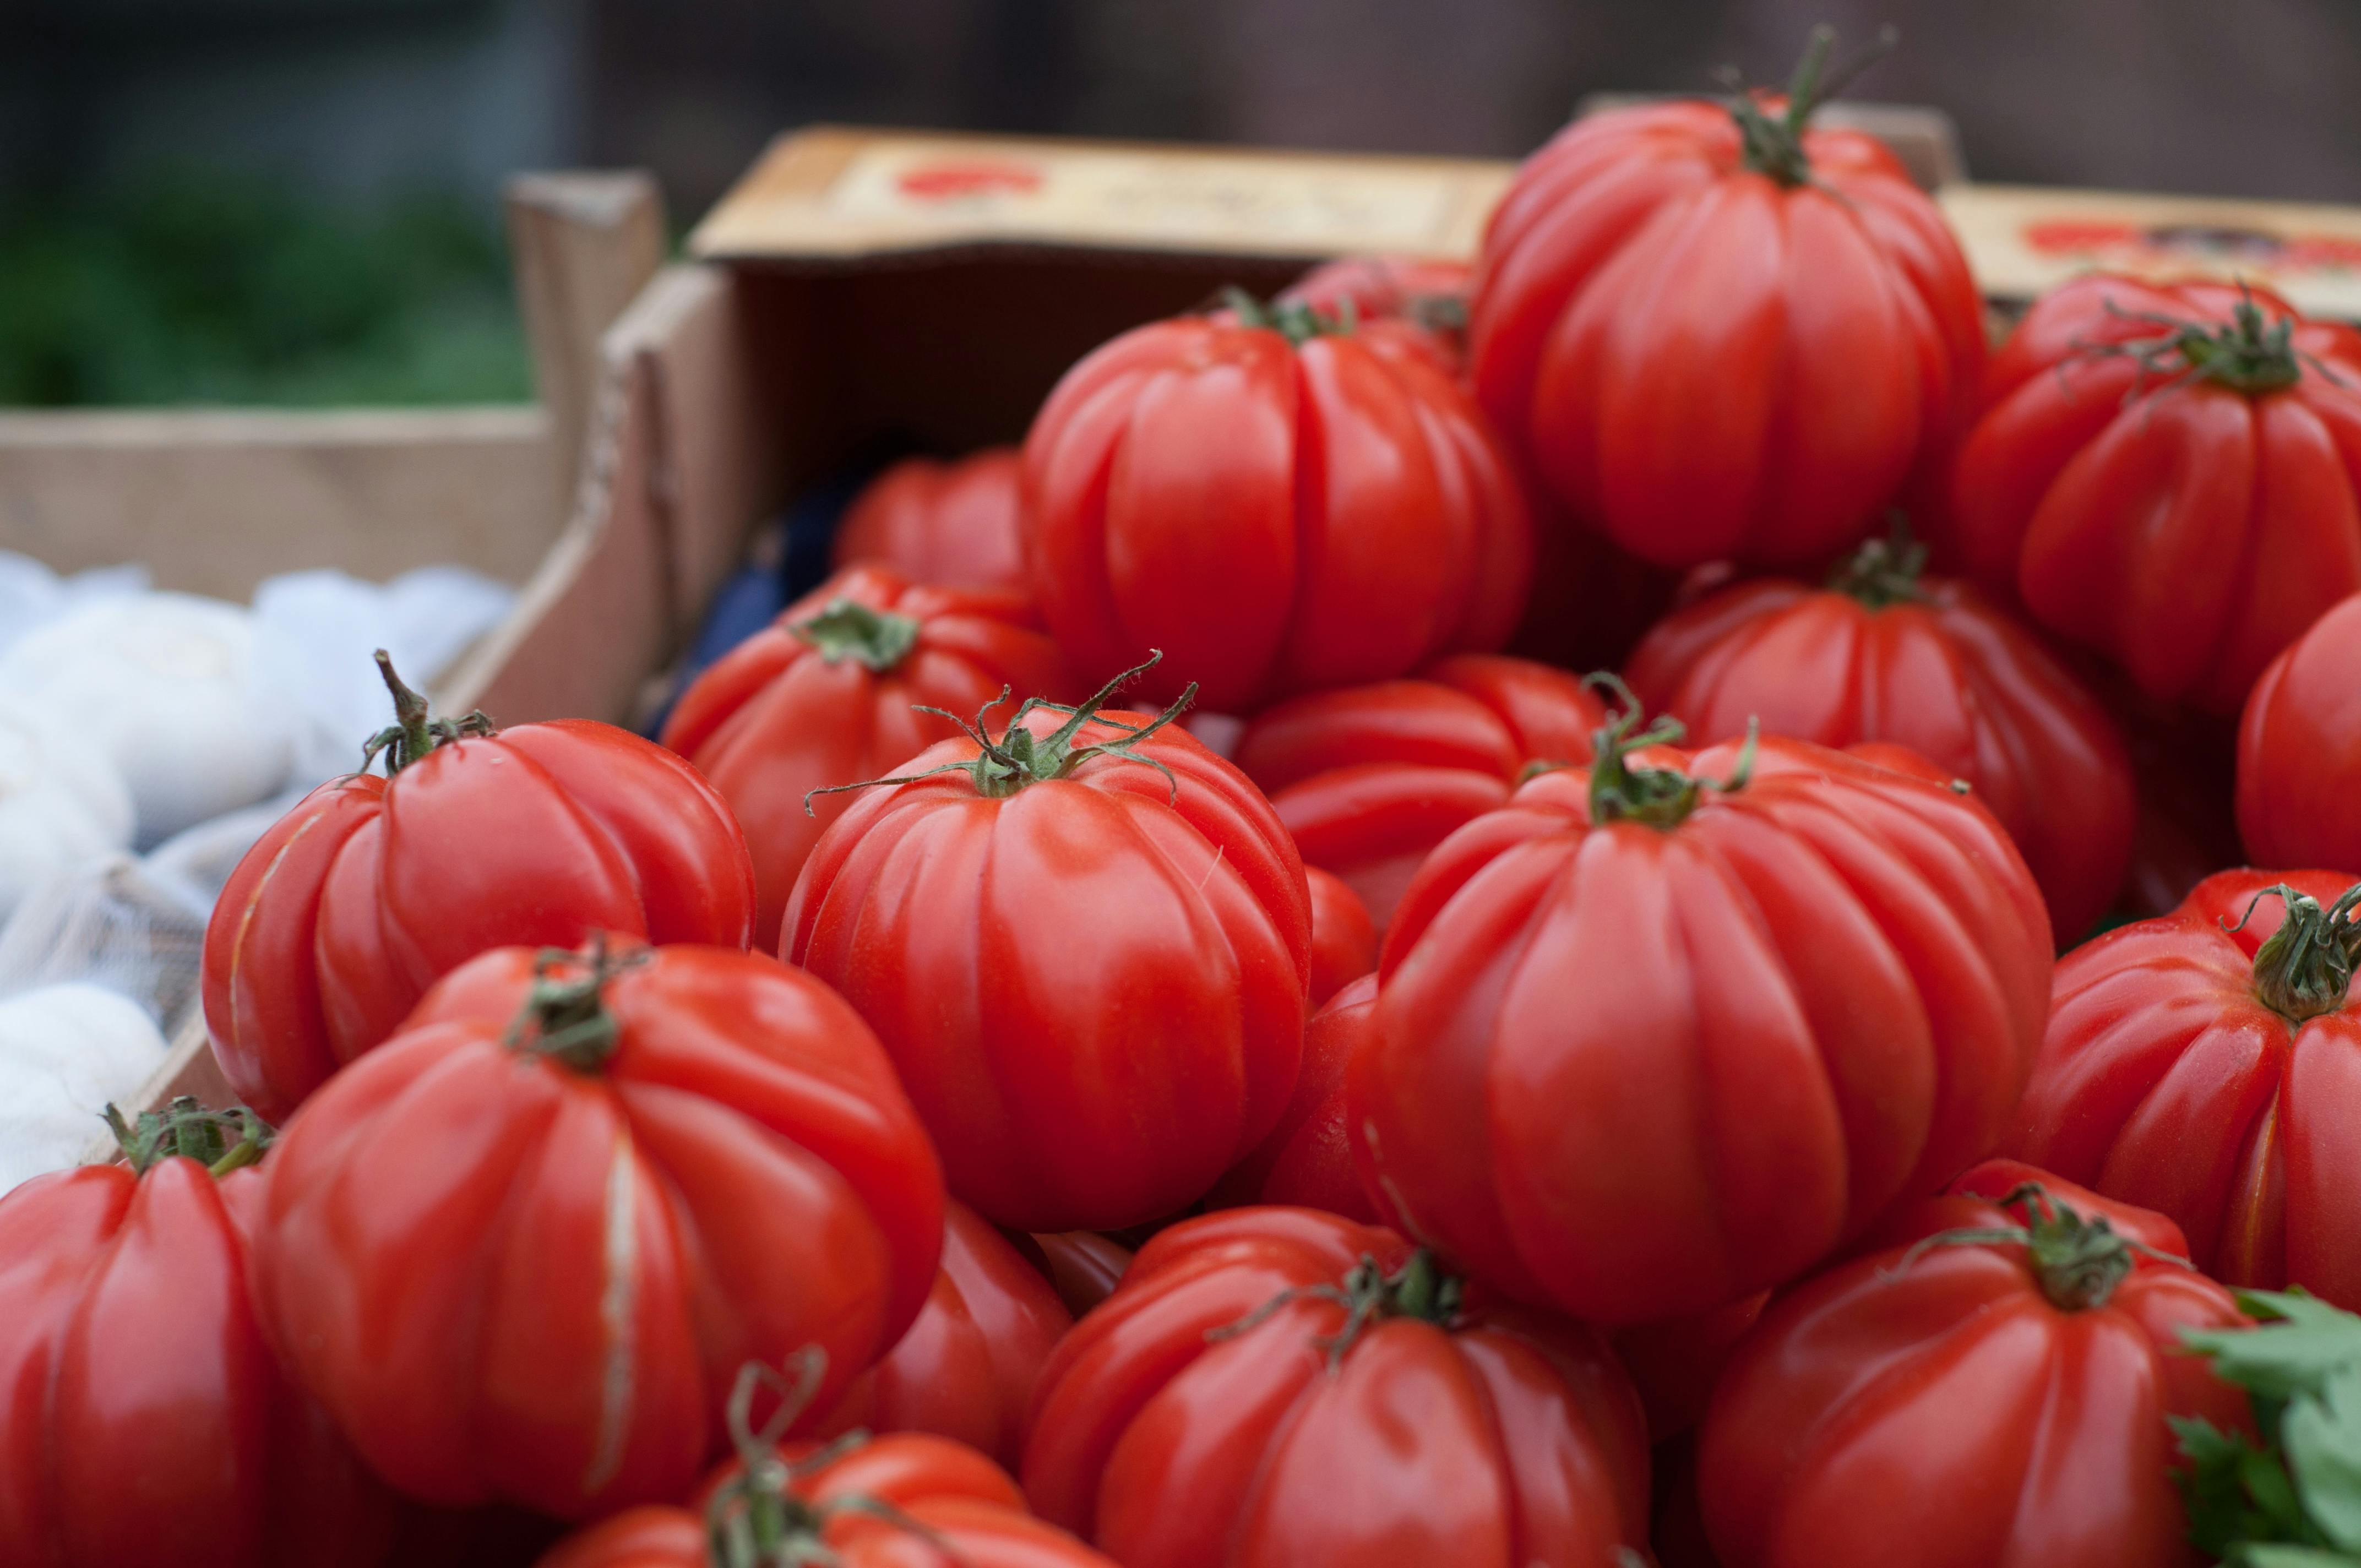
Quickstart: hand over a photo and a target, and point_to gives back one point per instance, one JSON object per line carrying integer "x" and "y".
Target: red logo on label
{"x": 2134, "y": 244}
{"x": 970, "y": 177}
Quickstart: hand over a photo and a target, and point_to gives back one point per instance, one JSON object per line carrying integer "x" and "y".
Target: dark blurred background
{"x": 296, "y": 201}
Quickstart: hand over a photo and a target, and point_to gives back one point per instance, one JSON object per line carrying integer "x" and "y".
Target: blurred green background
{"x": 217, "y": 286}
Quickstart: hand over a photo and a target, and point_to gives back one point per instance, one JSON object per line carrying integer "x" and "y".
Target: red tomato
{"x": 2000, "y": 1181}
{"x": 1663, "y": 1032}
{"x": 954, "y": 524}
{"x": 2300, "y": 749}
{"x": 1429, "y": 294}
{"x": 828, "y": 694}
{"x": 1718, "y": 333}
{"x": 521, "y": 1250}
{"x": 1083, "y": 1266}
{"x": 1307, "y": 1161}
{"x": 1885, "y": 653}
{"x": 1280, "y": 508}
{"x": 1344, "y": 937}
{"x": 2215, "y": 1076}
{"x": 907, "y": 1501}
{"x": 966, "y": 1367}
{"x": 142, "y": 1404}
{"x": 1278, "y": 1385}
{"x": 2168, "y": 474}
{"x": 1370, "y": 779}
{"x": 370, "y": 889}
{"x": 1997, "y": 1395}
{"x": 1086, "y": 946}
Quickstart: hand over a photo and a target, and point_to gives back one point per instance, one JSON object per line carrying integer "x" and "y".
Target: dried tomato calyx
{"x": 1772, "y": 144}
{"x": 565, "y": 1013}
{"x": 1622, "y": 790}
{"x": 412, "y": 734}
{"x": 1298, "y": 320}
{"x": 757, "y": 1519}
{"x": 1019, "y": 757}
{"x": 847, "y": 629}
{"x": 1419, "y": 1288}
{"x": 2078, "y": 1262}
{"x": 2305, "y": 968}
{"x": 222, "y": 1141}
{"x": 1883, "y": 572}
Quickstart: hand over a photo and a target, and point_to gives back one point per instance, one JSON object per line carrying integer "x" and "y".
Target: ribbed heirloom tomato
{"x": 2169, "y": 475}
{"x": 1661, "y": 1032}
{"x": 965, "y": 1369}
{"x": 952, "y": 524}
{"x": 2214, "y": 1075}
{"x": 2299, "y": 789}
{"x": 908, "y": 1501}
{"x": 1279, "y": 1386}
{"x": 1989, "y": 1392}
{"x": 1370, "y": 779}
{"x": 1887, "y": 653}
{"x": 1718, "y": 333}
{"x": 521, "y": 1250}
{"x": 830, "y": 694}
{"x": 140, "y": 1403}
{"x": 1279, "y": 502}
{"x": 1085, "y": 943}
{"x": 357, "y": 900}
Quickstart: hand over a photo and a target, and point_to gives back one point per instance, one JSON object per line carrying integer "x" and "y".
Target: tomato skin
{"x": 2164, "y": 1081}
{"x": 142, "y": 1403}
{"x": 370, "y": 889}
{"x": 2300, "y": 749}
{"x": 1093, "y": 988}
{"x": 776, "y": 718}
{"x": 1165, "y": 508}
{"x": 1428, "y": 1444}
{"x": 1696, "y": 1059}
{"x": 1675, "y": 1362}
{"x": 1943, "y": 1412}
{"x": 1344, "y": 937}
{"x": 2186, "y": 530}
{"x": 1703, "y": 363}
{"x": 1307, "y": 1160}
{"x": 1951, "y": 676}
{"x": 1423, "y": 292}
{"x": 1370, "y": 779}
{"x": 966, "y": 1367}
{"x": 951, "y": 1490}
{"x": 473, "y": 1253}
{"x": 954, "y": 524}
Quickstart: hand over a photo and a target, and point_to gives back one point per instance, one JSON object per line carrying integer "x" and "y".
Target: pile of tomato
{"x": 1428, "y": 933}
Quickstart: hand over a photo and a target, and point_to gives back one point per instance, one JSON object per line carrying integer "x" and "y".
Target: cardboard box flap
{"x": 833, "y": 195}
{"x": 2024, "y": 240}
